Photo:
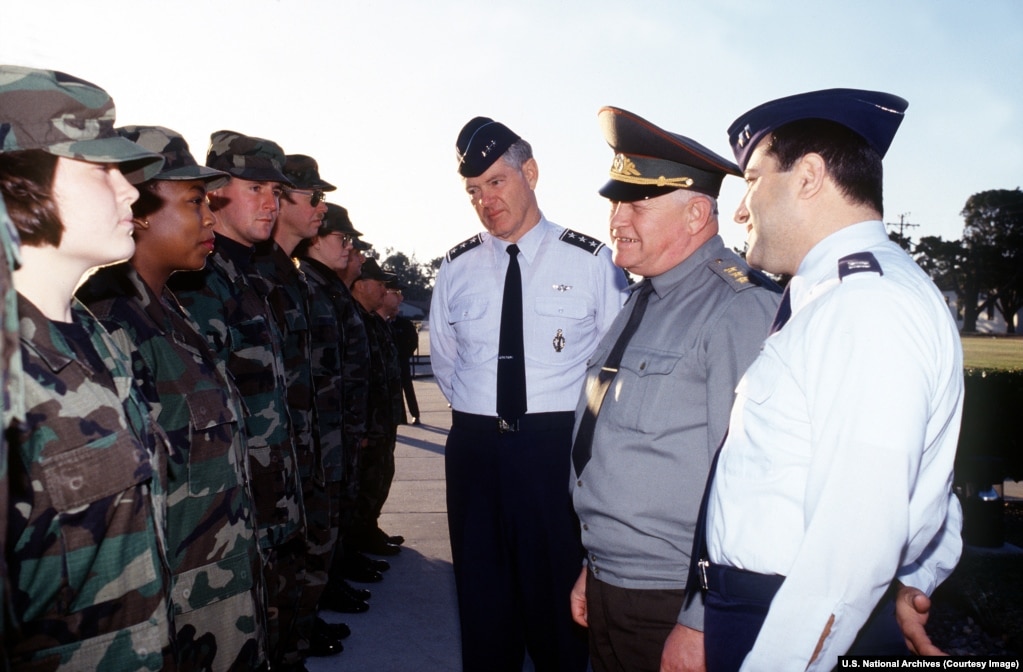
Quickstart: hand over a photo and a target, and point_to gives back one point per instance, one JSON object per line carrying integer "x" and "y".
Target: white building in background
{"x": 989, "y": 321}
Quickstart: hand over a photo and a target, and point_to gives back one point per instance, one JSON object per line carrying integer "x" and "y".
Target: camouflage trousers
{"x": 322, "y": 519}
{"x": 283, "y": 568}
{"x": 375, "y": 475}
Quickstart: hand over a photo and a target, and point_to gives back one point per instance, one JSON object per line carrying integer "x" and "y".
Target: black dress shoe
{"x": 358, "y": 593}
{"x": 379, "y": 547}
{"x": 363, "y": 574}
{"x": 395, "y": 539}
{"x": 323, "y": 643}
{"x": 343, "y": 603}
{"x": 356, "y": 560}
{"x": 335, "y": 630}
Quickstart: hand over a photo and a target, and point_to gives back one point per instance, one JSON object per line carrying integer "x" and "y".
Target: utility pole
{"x": 903, "y": 224}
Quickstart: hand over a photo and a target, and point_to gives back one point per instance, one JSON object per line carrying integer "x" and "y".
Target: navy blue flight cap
{"x": 872, "y": 114}
{"x": 650, "y": 161}
{"x": 481, "y": 142}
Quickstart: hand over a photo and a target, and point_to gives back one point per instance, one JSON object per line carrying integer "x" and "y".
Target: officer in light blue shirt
{"x": 514, "y": 540}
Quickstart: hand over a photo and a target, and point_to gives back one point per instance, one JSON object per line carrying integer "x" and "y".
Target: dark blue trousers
{"x": 514, "y": 542}
{"x": 736, "y": 606}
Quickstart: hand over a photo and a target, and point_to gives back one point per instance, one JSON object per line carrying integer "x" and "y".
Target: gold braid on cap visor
{"x": 624, "y": 169}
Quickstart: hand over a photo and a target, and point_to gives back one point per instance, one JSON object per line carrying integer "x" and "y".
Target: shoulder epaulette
{"x": 464, "y": 247}
{"x": 860, "y": 262}
{"x": 738, "y": 276}
{"x": 761, "y": 279}
{"x": 582, "y": 241}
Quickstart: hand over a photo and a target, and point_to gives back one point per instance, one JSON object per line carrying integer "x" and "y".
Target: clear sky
{"x": 377, "y": 91}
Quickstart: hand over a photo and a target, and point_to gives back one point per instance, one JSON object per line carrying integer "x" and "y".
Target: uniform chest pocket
{"x": 560, "y": 308}
{"x": 296, "y": 320}
{"x": 96, "y": 470}
{"x": 213, "y": 460}
{"x": 761, "y": 379}
{"x": 251, "y": 357}
{"x": 645, "y": 363}
{"x": 105, "y": 517}
{"x": 558, "y": 331}
{"x": 474, "y": 333}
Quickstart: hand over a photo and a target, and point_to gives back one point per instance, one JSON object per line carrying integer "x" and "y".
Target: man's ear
{"x": 531, "y": 171}
{"x": 811, "y": 173}
{"x": 699, "y": 212}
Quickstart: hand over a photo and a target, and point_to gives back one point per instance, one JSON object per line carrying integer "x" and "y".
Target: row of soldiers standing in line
{"x": 203, "y": 439}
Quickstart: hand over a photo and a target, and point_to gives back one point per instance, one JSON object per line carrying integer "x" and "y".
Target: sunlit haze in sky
{"x": 377, "y": 91}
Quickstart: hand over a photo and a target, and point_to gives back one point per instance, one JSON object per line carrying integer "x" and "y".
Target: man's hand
{"x": 577, "y": 598}
{"x": 912, "y": 607}
{"x": 683, "y": 651}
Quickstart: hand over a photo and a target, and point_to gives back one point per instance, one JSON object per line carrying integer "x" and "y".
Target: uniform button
{"x": 76, "y": 482}
{"x": 593, "y": 558}
{"x": 586, "y": 527}
{"x": 642, "y": 366}
{"x": 187, "y": 592}
{"x": 579, "y": 483}
{"x": 596, "y": 570}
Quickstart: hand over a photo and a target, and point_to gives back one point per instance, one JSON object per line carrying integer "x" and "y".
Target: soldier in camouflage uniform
{"x": 233, "y": 314}
{"x": 10, "y": 382}
{"x": 321, "y": 258}
{"x": 325, "y": 261}
{"x": 302, "y": 208}
{"x": 386, "y": 408}
{"x": 216, "y": 583}
{"x": 88, "y": 584}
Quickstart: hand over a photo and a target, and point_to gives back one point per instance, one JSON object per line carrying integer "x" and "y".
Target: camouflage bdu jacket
{"x": 211, "y": 539}
{"x": 10, "y": 380}
{"x": 326, "y": 343}
{"x": 279, "y": 280}
{"x": 355, "y": 359}
{"x": 386, "y": 404}
{"x": 87, "y": 568}
{"x": 235, "y": 320}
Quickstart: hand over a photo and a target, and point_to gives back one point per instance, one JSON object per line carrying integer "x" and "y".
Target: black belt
{"x": 742, "y": 584}
{"x": 532, "y": 422}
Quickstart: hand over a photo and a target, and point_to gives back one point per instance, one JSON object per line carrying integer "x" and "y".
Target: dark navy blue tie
{"x": 511, "y": 358}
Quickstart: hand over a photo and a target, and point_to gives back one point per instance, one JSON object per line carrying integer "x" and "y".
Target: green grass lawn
{"x": 993, "y": 352}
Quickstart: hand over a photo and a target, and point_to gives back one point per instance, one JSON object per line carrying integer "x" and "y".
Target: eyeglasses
{"x": 346, "y": 239}
{"x": 394, "y": 291}
{"x": 316, "y": 196}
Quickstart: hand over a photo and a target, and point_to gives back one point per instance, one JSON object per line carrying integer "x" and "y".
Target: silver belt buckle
{"x": 505, "y": 426}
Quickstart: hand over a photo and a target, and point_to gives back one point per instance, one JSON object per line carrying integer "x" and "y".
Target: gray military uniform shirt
{"x": 664, "y": 416}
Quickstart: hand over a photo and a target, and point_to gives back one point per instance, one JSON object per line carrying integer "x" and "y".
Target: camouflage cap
{"x": 65, "y": 116}
{"x": 304, "y": 173}
{"x": 178, "y": 162}
{"x": 371, "y": 271}
{"x": 336, "y": 220}
{"x": 247, "y": 157}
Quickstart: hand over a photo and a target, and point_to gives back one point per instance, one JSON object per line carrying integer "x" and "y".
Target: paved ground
{"x": 412, "y": 624}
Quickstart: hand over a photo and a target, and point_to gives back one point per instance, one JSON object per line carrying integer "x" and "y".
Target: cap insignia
{"x": 624, "y": 169}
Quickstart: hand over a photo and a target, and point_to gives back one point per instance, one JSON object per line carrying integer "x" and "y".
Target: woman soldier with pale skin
{"x": 86, "y": 577}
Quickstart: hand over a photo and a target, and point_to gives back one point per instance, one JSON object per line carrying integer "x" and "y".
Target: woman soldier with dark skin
{"x": 212, "y": 551}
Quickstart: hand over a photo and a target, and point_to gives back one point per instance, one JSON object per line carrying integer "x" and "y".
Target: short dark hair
{"x": 26, "y": 182}
{"x": 852, "y": 163}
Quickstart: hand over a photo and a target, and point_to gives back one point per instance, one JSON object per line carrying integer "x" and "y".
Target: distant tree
{"x": 902, "y": 241}
{"x": 416, "y": 278}
{"x": 994, "y": 237}
{"x": 950, "y": 265}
